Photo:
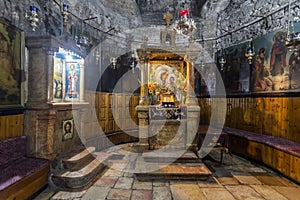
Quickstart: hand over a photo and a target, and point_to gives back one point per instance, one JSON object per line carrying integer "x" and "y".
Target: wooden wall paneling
{"x": 267, "y": 155}
{"x": 295, "y": 168}
{"x": 11, "y": 126}
{"x": 254, "y": 150}
{"x": 277, "y": 107}
{"x": 267, "y": 114}
{"x": 102, "y": 124}
{"x": 278, "y": 160}
{"x": 109, "y": 125}
{"x": 284, "y": 128}
{"x": 103, "y": 99}
{"x": 252, "y": 108}
{"x": 295, "y": 113}
{"x": 127, "y": 100}
{"x": 102, "y": 113}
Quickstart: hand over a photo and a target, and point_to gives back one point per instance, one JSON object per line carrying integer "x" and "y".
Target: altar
{"x": 168, "y": 111}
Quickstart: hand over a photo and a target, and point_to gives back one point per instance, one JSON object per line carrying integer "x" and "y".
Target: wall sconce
{"x": 292, "y": 38}
{"x": 133, "y": 62}
{"x": 249, "y": 54}
{"x": 222, "y": 59}
{"x": 65, "y": 13}
{"x": 113, "y": 60}
{"x": 82, "y": 40}
{"x": 33, "y": 17}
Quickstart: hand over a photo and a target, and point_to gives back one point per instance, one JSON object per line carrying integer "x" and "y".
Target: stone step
{"x": 173, "y": 171}
{"x": 176, "y": 156}
{"x": 171, "y": 165}
{"x": 81, "y": 178}
{"x": 77, "y": 159}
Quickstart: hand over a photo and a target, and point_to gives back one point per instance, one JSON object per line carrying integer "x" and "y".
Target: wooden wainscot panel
{"x": 102, "y": 113}
{"x": 120, "y": 100}
{"x": 118, "y": 112}
{"x": 127, "y": 100}
{"x": 105, "y": 100}
{"x": 267, "y": 155}
{"x": 109, "y": 125}
{"x": 254, "y": 150}
{"x": 11, "y": 126}
{"x": 278, "y": 160}
{"x": 295, "y": 168}
{"x": 135, "y": 99}
{"x": 103, "y": 125}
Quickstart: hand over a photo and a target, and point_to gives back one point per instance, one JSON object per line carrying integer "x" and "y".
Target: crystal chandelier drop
{"x": 185, "y": 24}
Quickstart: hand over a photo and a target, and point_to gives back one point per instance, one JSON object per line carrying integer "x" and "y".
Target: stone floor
{"x": 236, "y": 178}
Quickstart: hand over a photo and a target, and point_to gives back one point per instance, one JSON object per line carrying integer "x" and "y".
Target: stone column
{"x": 143, "y": 56}
{"x": 40, "y": 137}
{"x": 143, "y": 116}
{"x": 193, "y": 117}
{"x": 81, "y": 95}
{"x": 188, "y": 85}
{"x": 49, "y": 61}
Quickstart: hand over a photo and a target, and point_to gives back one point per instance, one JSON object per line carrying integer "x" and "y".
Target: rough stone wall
{"x": 254, "y": 18}
{"x": 121, "y": 15}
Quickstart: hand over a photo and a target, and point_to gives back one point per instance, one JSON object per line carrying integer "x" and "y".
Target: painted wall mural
{"x": 275, "y": 68}
{"x": 11, "y": 47}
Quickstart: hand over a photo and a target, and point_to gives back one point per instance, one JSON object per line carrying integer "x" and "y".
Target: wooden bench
{"x": 278, "y": 153}
{"x": 20, "y": 176}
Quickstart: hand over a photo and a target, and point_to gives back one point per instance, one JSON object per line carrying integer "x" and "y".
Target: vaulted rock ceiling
{"x": 151, "y": 10}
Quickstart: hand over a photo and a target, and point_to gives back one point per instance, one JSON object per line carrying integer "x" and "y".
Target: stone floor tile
{"x": 212, "y": 182}
{"x": 228, "y": 180}
{"x": 108, "y": 181}
{"x": 162, "y": 193}
{"x": 270, "y": 179}
{"x": 119, "y": 194}
{"x": 292, "y": 193}
{"x": 162, "y": 183}
{"x": 96, "y": 193}
{"x": 124, "y": 183}
{"x": 242, "y": 192}
{"x": 183, "y": 182}
{"x": 186, "y": 191}
{"x": 246, "y": 178}
{"x": 268, "y": 192}
{"x": 62, "y": 195}
{"x": 113, "y": 173}
{"x": 141, "y": 195}
{"x": 217, "y": 194}
{"x": 128, "y": 174}
{"x": 45, "y": 195}
{"x": 142, "y": 185}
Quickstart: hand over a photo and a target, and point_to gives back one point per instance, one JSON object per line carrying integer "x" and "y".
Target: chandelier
{"x": 292, "y": 38}
{"x": 185, "y": 25}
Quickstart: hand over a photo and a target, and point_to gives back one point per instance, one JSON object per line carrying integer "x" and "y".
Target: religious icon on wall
{"x": 72, "y": 81}
{"x": 11, "y": 52}
{"x": 169, "y": 78}
{"x": 68, "y": 129}
{"x": 275, "y": 68}
{"x": 58, "y": 80}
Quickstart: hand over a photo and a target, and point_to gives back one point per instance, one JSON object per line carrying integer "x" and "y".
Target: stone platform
{"x": 172, "y": 165}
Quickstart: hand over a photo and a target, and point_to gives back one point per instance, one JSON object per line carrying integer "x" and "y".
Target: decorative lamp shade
{"x": 33, "y": 9}
{"x": 65, "y": 7}
{"x": 184, "y": 13}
